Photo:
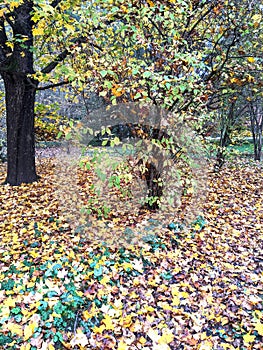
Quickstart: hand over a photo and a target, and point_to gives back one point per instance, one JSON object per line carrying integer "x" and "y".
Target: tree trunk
{"x": 256, "y": 120}
{"x": 20, "y": 89}
{"x": 257, "y": 141}
{"x": 20, "y": 100}
{"x": 227, "y": 123}
{"x": 154, "y": 185}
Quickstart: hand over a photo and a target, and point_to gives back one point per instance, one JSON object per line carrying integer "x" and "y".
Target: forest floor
{"x": 199, "y": 287}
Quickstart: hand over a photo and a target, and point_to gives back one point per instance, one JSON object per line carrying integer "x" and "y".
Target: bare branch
{"x": 198, "y": 21}
{"x": 46, "y": 87}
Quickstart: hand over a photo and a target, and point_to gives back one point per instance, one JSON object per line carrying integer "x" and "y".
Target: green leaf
{"x": 98, "y": 271}
{"x": 138, "y": 95}
{"x": 147, "y": 74}
{"x": 103, "y": 73}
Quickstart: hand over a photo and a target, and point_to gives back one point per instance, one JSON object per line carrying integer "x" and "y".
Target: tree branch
{"x": 197, "y": 22}
{"x": 7, "y": 18}
{"x": 65, "y": 82}
{"x": 52, "y": 65}
{"x": 54, "y": 3}
{"x": 4, "y": 49}
{"x": 227, "y": 56}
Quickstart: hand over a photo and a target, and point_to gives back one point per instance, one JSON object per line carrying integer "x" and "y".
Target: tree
{"x": 21, "y": 25}
{"x": 241, "y": 73}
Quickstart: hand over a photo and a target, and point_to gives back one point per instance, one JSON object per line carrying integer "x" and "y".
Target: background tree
{"x": 29, "y": 48}
{"x": 240, "y": 73}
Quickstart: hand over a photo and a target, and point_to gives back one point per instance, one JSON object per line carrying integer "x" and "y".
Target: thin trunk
{"x": 256, "y": 122}
{"x": 227, "y": 124}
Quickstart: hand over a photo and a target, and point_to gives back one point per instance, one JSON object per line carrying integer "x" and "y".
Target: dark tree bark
{"x": 20, "y": 101}
{"x": 16, "y": 65}
{"x": 154, "y": 184}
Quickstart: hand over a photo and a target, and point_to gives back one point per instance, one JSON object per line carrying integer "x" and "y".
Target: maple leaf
{"x": 167, "y": 337}
{"x": 122, "y": 345}
{"x": 15, "y": 328}
{"x": 10, "y": 302}
{"x": 248, "y": 338}
{"x": 108, "y": 322}
{"x": 29, "y": 330}
{"x": 259, "y": 328}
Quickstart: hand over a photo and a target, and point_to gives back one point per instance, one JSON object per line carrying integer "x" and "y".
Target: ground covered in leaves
{"x": 198, "y": 288}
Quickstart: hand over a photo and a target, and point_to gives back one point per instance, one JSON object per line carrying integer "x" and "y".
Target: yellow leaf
{"x": 127, "y": 266}
{"x": 105, "y": 280}
{"x": 30, "y": 284}
{"x": 71, "y": 254}
{"x": 142, "y": 340}
{"x": 15, "y": 328}
{"x": 29, "y": 330}
{"x": 251, "y": 59}
{"x": 248, "y": 338}
{"x": 149, "y": 308}
{"x": 150, "y": 3}
{"x": 108, "y": 323}
{"x": 164, "y": 305}
{"x": 127, "y": 321}
{"x": 2, "y": 11}
{"x": 86, "y": 315}
{"x": 258, "y": 314}
{"x": 122, "y": 346}
{"x": 34, "y": 253}
{"x": 257, "y": 18}
{"x": 9, "y": 302}
{"x": 259, "y": 328}
{"x": 25, "y": 347}
{"x": 99, "y": 329}
{"x": 4, "y": 312}
{"x": 167, "y": 337}
{"x": 176, "y": 301}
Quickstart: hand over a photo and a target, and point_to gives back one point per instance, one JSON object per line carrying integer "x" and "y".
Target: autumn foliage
{"x": 194, "y": 288}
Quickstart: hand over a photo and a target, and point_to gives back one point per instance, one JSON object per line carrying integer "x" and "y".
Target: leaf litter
{"x": 195, "y": 288}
